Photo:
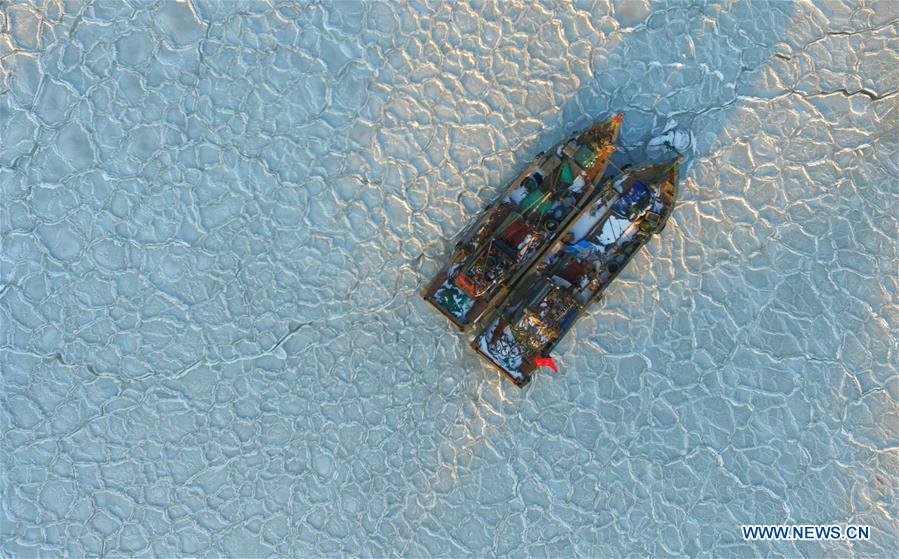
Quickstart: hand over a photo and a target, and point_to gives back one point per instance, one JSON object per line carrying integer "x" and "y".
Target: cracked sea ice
{"x": 216, "y": 217}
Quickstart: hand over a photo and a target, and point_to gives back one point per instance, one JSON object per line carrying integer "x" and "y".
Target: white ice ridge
{"x": 679, "y": 140}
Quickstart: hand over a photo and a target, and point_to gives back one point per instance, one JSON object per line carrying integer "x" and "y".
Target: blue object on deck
{"x": 582, "y": 248}
{"x": 638, "y": 196}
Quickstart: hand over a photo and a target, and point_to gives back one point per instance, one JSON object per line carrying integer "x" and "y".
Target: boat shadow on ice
{"x": 676, "y": 77}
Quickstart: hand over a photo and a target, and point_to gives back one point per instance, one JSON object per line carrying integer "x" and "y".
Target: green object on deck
{"x": 566, "y": 173}
{"x": 585, "y": 157}
{"x": 536, "y": 200}
{"x": 531, "y": 199}
{"x": 453, "y": 300}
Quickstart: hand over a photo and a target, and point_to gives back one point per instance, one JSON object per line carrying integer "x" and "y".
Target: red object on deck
{"x": 575, "y": 270}
{"x": 618, "y": 118}
{"x": 546, "y": 362}
{"x": 465, "y": 285}
{"x": 515, "y": 233}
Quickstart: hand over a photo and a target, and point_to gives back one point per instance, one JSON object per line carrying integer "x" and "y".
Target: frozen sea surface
{"x": 216, "y": 218}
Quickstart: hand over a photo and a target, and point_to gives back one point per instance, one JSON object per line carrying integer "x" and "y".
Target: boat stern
{"x": 497, "y": 346}
{"x": 446, "y": 297}
{"x": 519, "y": 380}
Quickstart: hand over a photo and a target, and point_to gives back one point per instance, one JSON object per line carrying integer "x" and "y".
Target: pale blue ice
{"x": 217, "y": 216}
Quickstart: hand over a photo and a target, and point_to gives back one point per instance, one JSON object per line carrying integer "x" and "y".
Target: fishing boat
{"x": 576, "y": 269}
{"x": 516, "y": 229}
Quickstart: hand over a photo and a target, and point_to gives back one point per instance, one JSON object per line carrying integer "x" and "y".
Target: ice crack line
{"x": 873, "y": 95}
{"x": 841, "y": 33}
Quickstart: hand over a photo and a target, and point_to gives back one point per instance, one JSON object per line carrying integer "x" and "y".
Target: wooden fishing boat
{"x": 514, "y": 231}
{"x": 576, "y": 269}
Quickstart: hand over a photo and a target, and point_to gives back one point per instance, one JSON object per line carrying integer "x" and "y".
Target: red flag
{"x": 546, "y": 362}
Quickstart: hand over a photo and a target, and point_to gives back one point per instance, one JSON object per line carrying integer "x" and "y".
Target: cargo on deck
{"x": 513, "y": 232}
{"x": 576, "y": 269}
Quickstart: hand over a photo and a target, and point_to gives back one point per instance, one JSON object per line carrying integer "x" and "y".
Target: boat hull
{"x": 521, "y": 382}
{"x": 513, "y": 233}
{"x": 575, "y": 271}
